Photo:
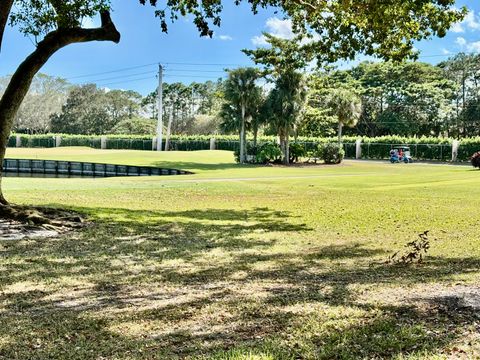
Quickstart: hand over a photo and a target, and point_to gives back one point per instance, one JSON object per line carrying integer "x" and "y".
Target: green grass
{"x": 242, "y": 262}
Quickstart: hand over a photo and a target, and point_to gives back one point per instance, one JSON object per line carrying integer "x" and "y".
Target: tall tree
{"x": 241, "y": 93}
{"x": 282, "y": 60}
{"x": 121, "y": 104}
{"x": 317, "y": 119}
{"x": 84, "y": 112}
{"x": 410, "y": 98}
{"x": 46, "y": 96}
{"x": 90, "y": 110}
{"x": 286, "y": 102}
{"x": 464, "y": 70}
{"x": 344, "y": 28}
{"x": 347, "y": 107}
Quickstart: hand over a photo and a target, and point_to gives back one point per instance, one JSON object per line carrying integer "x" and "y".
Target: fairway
{"x": 244, "y": 262}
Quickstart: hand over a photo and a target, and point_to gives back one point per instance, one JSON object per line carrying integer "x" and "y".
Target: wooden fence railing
{"x": 87, "y": 169}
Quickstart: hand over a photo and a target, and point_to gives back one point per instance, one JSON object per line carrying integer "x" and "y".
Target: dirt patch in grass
{"x": 38, "y": 222}
{"x": 14, "y": 230}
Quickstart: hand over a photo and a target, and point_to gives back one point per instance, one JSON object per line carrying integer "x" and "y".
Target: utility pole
{"x": 160, "y": 108}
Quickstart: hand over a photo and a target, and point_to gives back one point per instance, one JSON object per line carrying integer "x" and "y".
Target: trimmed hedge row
{"x": 423, "y": 148}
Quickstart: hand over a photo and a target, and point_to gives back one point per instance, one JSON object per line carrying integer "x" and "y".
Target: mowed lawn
{"x": 242, "y": 262}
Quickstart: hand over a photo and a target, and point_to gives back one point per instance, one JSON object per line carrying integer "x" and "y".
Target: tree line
{"x": 54, "y": 105}
{"x": 381, "y": 98}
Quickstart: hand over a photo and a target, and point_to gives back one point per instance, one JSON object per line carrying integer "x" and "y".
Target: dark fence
{"x": 83, "y": 169}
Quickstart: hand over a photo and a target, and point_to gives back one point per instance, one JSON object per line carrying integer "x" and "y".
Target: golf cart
{"x": 400, "y": 154}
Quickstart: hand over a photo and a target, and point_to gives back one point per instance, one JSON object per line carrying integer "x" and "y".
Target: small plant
{"x": 476, "y": 160}
{"x": 331, "y": 153}
{"x": 415, "y": 251}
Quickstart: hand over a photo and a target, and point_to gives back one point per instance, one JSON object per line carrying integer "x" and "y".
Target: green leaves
{"x": 346, "y": 105}
{"x": 241, "y": 90}
{"x": 38, "y": 17}
{"x": 327, "y": 30}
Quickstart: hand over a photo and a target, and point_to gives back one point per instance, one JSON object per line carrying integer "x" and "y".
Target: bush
{"x": 476, "y": 160}
{"x": 268, "y": 152}
{"x": 331, "y": 153}
{"x": 296, "y": 151}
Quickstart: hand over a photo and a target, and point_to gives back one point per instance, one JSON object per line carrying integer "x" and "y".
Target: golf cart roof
{"x": 402, "y": 147}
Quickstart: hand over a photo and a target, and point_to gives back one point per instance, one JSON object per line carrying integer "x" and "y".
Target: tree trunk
{"x": 242, "y": 137}
{"x": 340, "y": 128}
{"x": 23, "y": 76}
{"x": 169, "y": 129}
{"x": 286, "y": 155}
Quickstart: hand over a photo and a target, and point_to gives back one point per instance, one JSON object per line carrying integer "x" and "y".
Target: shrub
{"x": 268, "y": 152}
{"x": 331, "y": 153}
{"x": 296, "y": 151}
{"x": 476, "y": 160}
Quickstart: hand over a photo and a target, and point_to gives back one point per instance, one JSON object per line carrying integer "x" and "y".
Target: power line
{"x": 194, "y": 76}
{"x": 99, "y": 81}
{"x": 151, "y": 64}
{"x": 122, "y": 76}
{"x": 126, "y": 81}
{"x": 199, "y": 71}
{"x": 201, "y": 64}
{"x": 112, "y": 71}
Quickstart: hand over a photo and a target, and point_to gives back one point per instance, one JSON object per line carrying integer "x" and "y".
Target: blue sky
{"x": 143, "y": 45}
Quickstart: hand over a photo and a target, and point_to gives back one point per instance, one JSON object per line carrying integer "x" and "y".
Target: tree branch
{"x": 23, "y": 76}
{"x": 5, "y": 8}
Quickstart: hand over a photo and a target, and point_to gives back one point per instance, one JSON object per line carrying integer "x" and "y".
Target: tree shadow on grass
{"x": 194, "y": 284}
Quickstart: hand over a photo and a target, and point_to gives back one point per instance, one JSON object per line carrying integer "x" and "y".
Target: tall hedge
{"x": 423, "y": 148}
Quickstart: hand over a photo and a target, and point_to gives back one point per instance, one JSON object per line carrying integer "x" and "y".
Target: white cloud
{"x": 461, "y": 41}
{"x": 280, "y": 28}
{"x": 446, "y": 51}
{"x": 276, "y": 27}
{"x": 457, "y": 28}
{"x": 473, "y": 47}
{"x": 225, "y": 37}
{"x": 472, "y": 21}
{"x": 259, "y": 40}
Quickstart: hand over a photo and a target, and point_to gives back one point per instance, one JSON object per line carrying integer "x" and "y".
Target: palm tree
{"x": 287, "y": 100}
{"x": 347, "y": 106}
{"x": 241, "y": 94}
